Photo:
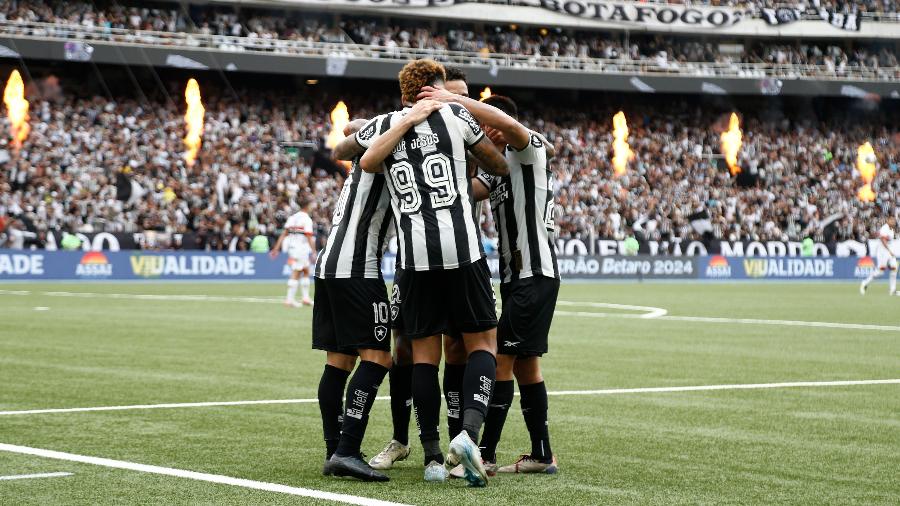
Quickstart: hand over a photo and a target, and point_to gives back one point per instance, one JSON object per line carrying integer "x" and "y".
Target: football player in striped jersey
{"x": 425, "y": 167}
{"x": 522, "y": 204}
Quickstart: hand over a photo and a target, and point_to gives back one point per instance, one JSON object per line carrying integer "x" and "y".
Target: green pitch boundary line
{"x": 611, "y": 391}
{"x": 193, "y": 475}
{"x": 33, "y": 476}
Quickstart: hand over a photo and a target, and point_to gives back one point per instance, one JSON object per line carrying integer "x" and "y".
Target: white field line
{"x": 32, "y": 476}
{"x": 649, "y": 311}
{"x": 749, "y": 386}
{"x": 789, "y": 323}
{"x": 738, "y": 321}
{"x": 193, "y": 475}
{"x": 159, "y": 297}
{"x": 611, "y": 391}
{"x": 15, "y": 292}
{"x": 163, "y": 406}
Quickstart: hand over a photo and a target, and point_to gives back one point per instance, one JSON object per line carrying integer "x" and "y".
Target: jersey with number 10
{"x": 430, "y": 190}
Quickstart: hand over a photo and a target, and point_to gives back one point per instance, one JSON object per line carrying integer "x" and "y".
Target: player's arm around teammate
{"x": 349, "y": 149}
{"x": 515, "y": 134}
{"x": 374, "y": 156}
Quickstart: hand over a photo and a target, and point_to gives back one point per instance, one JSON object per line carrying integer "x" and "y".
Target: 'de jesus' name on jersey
{"x": 360, "y": 226}
{"x": 430, "y": 188}
{"x": 522, "y": 204}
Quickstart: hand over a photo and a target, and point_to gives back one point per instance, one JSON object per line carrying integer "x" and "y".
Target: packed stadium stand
{"x": 104, "y": 152}
{"x": 800, "y": 173}
{"x": 228, "y": 29}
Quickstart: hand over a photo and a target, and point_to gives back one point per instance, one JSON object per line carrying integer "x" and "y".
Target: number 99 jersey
{"x": 430, "y": 190}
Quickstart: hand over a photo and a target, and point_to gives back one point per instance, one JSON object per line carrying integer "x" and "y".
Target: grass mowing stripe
{"x": 193, "y": 475}
{"x": 652, "y": 313}
{"x": 32, "y": 476}
{"x": 611, "y": 391}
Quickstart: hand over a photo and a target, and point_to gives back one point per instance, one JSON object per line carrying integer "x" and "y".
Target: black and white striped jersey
{"x": 522, "y": 204}
{"x": 430, "y": 189}
{"x": 361, "y": 226}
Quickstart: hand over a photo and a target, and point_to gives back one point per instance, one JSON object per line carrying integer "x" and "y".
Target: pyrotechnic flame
{"x": 731, "y": 144}
{"x": 16, "y": 108}
{"x": 194, "y": 119}
{"x": 486, "y": 92}
{"x": 340, "y": 117}
{"x": 865, "y": 163}
{"x": 622, "y": 153}
{"x": 866, "y": 194}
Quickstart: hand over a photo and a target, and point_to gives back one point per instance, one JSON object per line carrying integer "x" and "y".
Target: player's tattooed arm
{"x": 349, "y": 149}
{"x": 550, "y": 148}
{"x": 491, "y": 160}
{"x": 515, "y": 134}
{"x": 354, "y": 126}
{"x": 380, "y": 149}
{"x": 479, "y": 190}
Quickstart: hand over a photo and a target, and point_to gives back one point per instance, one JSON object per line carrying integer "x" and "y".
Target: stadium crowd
{"x": 272, "y": 27}
{"x": 95, "y": 164}
{"x": 844, "y": 6}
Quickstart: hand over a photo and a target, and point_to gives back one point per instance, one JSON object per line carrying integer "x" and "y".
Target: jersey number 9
{"x": 438, "y": 176}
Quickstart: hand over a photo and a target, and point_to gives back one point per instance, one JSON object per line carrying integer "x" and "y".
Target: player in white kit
{"x": 299, "y": 240}
{"x": 885, "y": 257}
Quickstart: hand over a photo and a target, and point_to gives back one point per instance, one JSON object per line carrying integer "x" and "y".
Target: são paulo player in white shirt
{"x": 299, "y": 240}
{"x": 885, "y": 257}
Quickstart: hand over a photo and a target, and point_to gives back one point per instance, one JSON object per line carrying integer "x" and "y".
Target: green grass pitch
{"x": 820, "y": 445}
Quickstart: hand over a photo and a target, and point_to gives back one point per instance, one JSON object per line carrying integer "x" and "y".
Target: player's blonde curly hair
{"x": 417, "y": 74}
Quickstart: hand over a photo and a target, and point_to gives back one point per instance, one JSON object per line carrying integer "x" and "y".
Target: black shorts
{"x": 528, "y": 306}
{"x": 397, "y": 319}
{"x": 440, "y": 302}
{"x": 349, "y": 314}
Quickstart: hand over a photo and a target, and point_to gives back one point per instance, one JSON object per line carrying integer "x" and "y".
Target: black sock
{"x": 361, "y": 394}
{"x": 453, "y": 384}
{"x": 427, "y": 400}
{"x": 496, "y": 418}
{"x": 401, "y": 401}
{"x": 478, "y": 384}
{"x": 331, "y": 398}
{"x": 534, "y": 410}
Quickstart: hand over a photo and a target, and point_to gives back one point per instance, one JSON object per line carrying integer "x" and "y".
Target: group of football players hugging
{"x": 420, "y": 174}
